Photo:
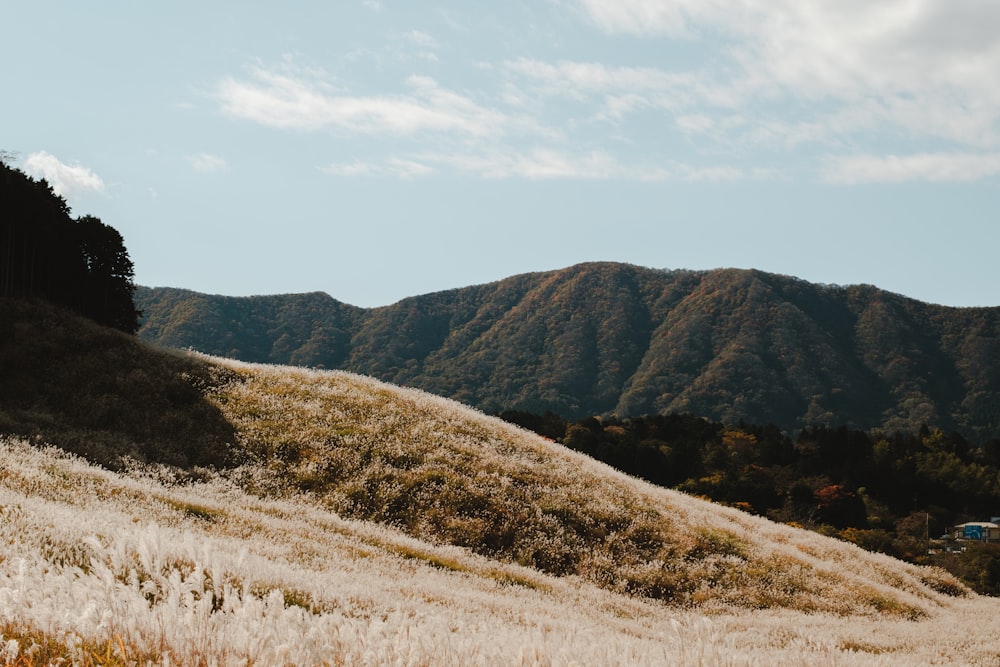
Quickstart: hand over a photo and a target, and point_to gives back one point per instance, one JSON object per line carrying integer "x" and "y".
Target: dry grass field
{"x": 368, "y": 524}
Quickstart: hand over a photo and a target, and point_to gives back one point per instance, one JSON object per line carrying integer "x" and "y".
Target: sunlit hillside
{"x": 363, "y": 523}
{"x": 444, "y": 473}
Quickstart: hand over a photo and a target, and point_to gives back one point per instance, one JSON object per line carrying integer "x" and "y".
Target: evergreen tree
{"x": 107, "y": 290}
{"x": 45, "y": 253}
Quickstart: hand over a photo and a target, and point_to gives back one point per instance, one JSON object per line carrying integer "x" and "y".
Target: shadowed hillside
{"x": 619, "y": 339}
{"x": 102, "y": 394}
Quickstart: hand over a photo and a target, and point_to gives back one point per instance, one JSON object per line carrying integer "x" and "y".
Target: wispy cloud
{"x": 426, "y": 46}
{"x": 401, "y": 167}
{"x": 764, "y": 82}
{"x": 66, "y": 179}
{"x": 289, "y": 101}
{"x": 830, "y": 48}
{"x": 618, "y": 90}
{"x": 536, "y": 164}
{"x": 642, "y": 17}
{"x": 826, "y": 71}
{"x": 577, "y": 78}
{"x": 541, "y": 164}
{"x": 929, "y": 167}
{"x": 206, "y": 162}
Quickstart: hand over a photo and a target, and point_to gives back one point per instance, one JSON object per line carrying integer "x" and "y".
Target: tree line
{"x": 897, "y": 493}
{"x": 46, "y": 253}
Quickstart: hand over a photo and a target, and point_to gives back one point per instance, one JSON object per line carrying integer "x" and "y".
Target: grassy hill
{"x": 102, "y": 394}
{"x": 617, "y": 339}
{"x": 346, "y": 520}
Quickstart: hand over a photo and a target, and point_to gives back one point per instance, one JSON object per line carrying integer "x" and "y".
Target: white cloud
{"x": 421, "y": 39}
{"x": 755, "y": 82}
{"x": 617, "y": 91}
{"x": 540, "y": 164}
{"x": 415, "y": 44}
{"x": 930, "y": 167}
{"x": 920, "y": 68}
{"x": 66, "y": 180}
{"x": 295, "y": 102}
{"x": 537, "y": 164}
{"x": 579, "y": 78}
{"x": 838, "y": 47}
{"x": 643, "y": 17}
{"x": 399, "y": 167}
{"x": 696, "y": 123}
{"x": 727, "y": 173}
{"x": 206, "y": 162}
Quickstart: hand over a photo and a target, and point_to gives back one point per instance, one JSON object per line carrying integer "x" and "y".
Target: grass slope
{"x": 102, "y": 394}
{"x": 445, "y": 473}
{"x": 114, "y": 569}
{"x": 362, "y": 523}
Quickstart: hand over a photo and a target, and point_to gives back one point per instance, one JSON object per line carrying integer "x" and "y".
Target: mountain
{"x": 352, "y": 521}
{"x": 605, "y": 338}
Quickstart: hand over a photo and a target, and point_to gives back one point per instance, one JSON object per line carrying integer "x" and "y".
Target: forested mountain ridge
{"x": 606, "y": 338}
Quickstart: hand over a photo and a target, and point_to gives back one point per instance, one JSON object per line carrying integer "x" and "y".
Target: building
{"x": 977, "y": 531}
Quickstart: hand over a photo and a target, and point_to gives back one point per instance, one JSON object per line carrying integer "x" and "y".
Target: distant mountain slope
{"x": 611, "y": 338}
{"x": 297, "y": 329}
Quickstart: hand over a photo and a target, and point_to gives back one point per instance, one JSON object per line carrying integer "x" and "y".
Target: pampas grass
{"x": 372, "y": 525}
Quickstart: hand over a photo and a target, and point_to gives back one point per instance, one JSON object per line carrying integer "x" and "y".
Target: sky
{"x": 381, "y": 149}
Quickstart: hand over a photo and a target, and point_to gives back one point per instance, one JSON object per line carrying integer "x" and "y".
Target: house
{"x": 977, "y": 531}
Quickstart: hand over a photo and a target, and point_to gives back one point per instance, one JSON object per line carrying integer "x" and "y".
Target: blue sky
{"x": 378, "y": 149}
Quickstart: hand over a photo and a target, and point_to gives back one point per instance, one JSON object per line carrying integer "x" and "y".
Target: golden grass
{"x": 36, "y": 648}
{"x": 447, "y": 474}
{"x": 369, "y": 520}
{"x": 288, "y": 573}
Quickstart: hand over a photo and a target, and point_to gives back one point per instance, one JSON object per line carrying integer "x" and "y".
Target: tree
{"x": 840, "y": 507}
{"x": 45, "y": 253}
{"x": 107, "y": 291}
{"x": 34, "y": 248}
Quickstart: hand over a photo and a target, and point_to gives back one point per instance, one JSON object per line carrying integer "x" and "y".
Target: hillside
{"x": 352, "y": 520}
{"x": 356, "y": 521}
{"x": 122, "y": 569}
{"x": 618, "y": 339}
{"x": 102, "y": 394}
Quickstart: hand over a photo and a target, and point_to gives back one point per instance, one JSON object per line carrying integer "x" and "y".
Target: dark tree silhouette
{"x": 45, "y": 253}
{"x": 107, "y": 289}
{"x": 37, "y": 253}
